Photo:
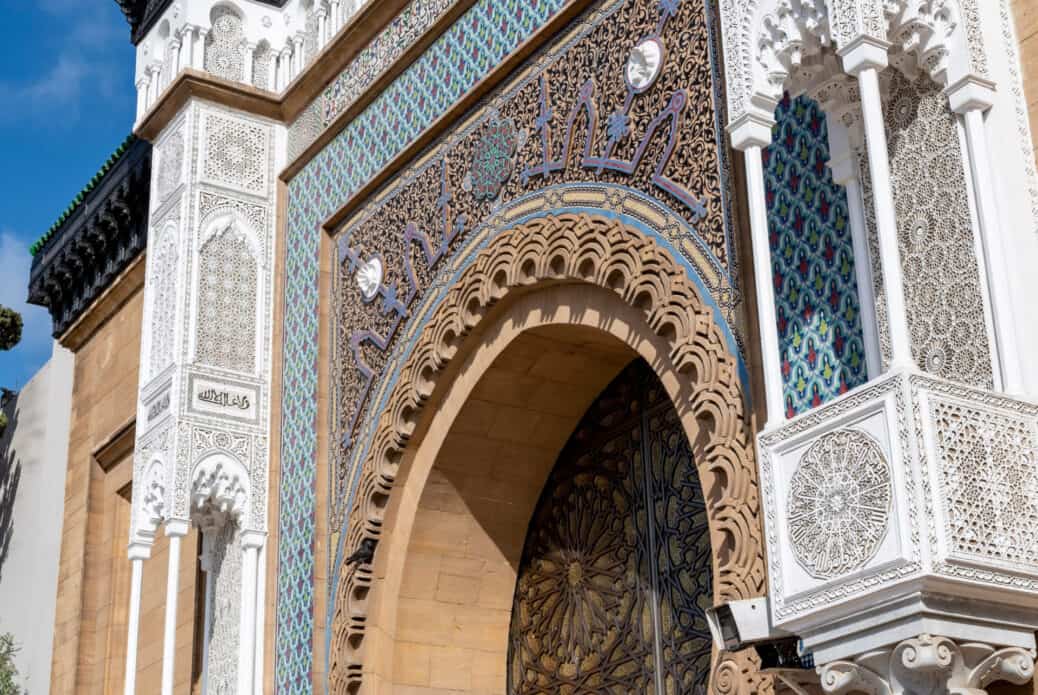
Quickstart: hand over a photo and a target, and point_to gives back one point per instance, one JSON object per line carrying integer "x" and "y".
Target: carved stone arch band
{"x": 592, "y": 250}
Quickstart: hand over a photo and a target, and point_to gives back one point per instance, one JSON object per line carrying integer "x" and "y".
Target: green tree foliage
{"x": 10, "y": 329}
{"x": 8, "y": 671}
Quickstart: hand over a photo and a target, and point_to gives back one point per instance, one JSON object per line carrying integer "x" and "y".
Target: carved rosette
{"x": 493, "y": 159}
{"x": 839, "y": 503}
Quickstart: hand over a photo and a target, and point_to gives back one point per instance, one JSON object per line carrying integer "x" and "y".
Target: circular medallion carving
{"x": 492, "y": 163}
{"x": 839, "y": 504}
{"x": 644, "y": 63}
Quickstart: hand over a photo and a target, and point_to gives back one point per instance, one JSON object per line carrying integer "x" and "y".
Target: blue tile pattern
{"x": 812, "y": 258}
{"x": 463, "y": 55}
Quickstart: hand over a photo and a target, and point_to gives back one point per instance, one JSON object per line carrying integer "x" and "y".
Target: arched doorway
{"x": 615, "y": 572}
{"x": 463, "y": 449}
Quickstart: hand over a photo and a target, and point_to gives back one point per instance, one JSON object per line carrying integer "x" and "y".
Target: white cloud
{"x": 35, "y": 347}
{"x": 87, "y": 50}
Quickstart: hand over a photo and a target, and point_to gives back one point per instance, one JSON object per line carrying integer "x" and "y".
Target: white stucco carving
{"x": 208, "y": 324}
{"x": 219, "y": 491}
{"x": 777, "y": 45}
{"x": 929, "y": 664}
{"x": 236, "y": 40}
{"x": 839, "y": 503}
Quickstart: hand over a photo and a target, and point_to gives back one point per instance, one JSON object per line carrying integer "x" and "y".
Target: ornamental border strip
{"x": 311, "y": 202}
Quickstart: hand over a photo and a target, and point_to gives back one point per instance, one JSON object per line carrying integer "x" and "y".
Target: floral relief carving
{"x": 840, "y": 589}
{"x": 222, "y": 560}
{"x": 219, "y": 491}
{"x": 204, "y": 440}
{"x": 151, "y": 501}
{"x": 765, "y": 42}
{"x": 928, "y": 664}
{"x": 163, "y": 301}
{"x": 839, "y": 503}
{"x": 1016, "y": 87}
{"x": 943, "y": 291}
{"x": 261, "y": 59}
{"x": 605, "y": 253}
{"x": 171, "y": 166}
{"x": 853, "y": 18}
{"x": 493, "y": 159}
{"x": 236, "y": 154}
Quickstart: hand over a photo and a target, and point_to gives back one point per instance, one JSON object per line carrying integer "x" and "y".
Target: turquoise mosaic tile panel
{"x": 463, "y": 55}
{"x": 812, "y": 257}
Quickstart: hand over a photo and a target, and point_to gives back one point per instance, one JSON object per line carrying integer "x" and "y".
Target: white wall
{"x": 33, "y": 459}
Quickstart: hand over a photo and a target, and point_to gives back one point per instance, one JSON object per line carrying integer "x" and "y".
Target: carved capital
{"x": 928, "y": 664}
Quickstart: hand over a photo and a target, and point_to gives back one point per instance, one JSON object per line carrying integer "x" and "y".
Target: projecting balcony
{"x": 907, "y": 507}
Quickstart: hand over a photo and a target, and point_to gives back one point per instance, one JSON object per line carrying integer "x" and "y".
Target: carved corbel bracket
{"x": 219, "y": 492}
{"x": 930, "y": 665}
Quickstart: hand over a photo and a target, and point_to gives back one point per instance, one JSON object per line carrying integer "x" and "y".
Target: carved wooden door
{"x": 615, "y": 573}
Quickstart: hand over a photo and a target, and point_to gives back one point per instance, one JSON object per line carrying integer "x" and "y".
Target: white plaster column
{"x": 298, "y": 59}
{"x": 206, "y": 562}
{"x": 251, "y": 542}
{"x": 184, "y": 54}
{"x": 155, "y": 82}
{"x": 971, "y": 97}
{"x": 138, "y": 553}
{"x": 174, "y": 63}
{"x": 751, "y": 134}
{"x": 864, "y": 58}
{"x": 176, "y": 529}
{"x": 143, "y": 86}
{"x": 261, "y": 608}
{"x": 284, "y": 67}
{"x": 191, "y": 49}
{"x": 273, "y": 81}
{"x": 322, "y": 28}
{"x": 250, "y": 58}
{"x": 843, "y": 162}
{"x": 198, "y": 48}
{"x": 337, "y": 20}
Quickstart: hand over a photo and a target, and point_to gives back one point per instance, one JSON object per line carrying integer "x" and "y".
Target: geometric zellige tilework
{"x": 453, "y": 64}
{"x": 812, "y": 261}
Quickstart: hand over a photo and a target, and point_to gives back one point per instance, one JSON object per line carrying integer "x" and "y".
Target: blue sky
{"x": 66, "y": 85}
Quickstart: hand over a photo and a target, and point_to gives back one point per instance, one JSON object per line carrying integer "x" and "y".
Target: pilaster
{"x": 204, "y": 405}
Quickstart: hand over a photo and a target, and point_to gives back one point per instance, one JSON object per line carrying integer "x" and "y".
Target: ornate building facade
{"x": 484, "y": 346}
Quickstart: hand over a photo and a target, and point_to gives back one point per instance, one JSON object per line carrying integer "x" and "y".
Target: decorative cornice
{"x": 77, "y": 202}
{"x": 99, "y": 238}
